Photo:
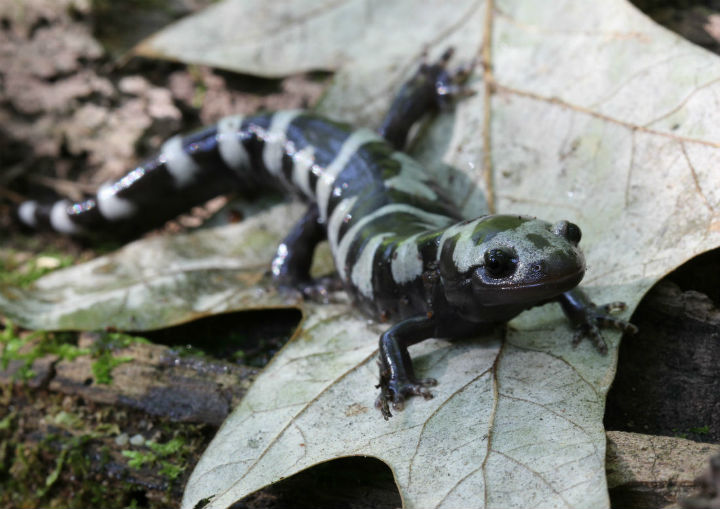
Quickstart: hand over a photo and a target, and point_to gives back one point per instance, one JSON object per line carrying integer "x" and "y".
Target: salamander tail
{"x": 60, "y": 216}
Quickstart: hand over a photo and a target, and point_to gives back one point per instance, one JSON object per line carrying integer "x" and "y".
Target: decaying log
{"x": 158, "y": 380}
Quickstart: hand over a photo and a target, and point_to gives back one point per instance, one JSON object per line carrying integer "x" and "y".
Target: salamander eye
{"x": 499, "y": 263}
{"x": 569, "y": 231}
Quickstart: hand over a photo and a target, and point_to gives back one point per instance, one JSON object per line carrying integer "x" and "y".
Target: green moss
{"x": 169, "y": 456}
{"x": 170, "y": 470}
{"x": 6, "y": 421}
{"x": 34, "y": 346}
{"x": 68, "y": 420}
{"x": 50, "y": 474}
{"x": 102, "y": 351}
{"x": 172, "y": 447}
{"x": 24, "y": 463}
{"x": 118, "y": 340}
{"x": 102, "y": 367}
{"x": 138, "y": 459}
{"x": 17, "y": 270}
{"x": 72, "y": 460}
{"x": 700, "y": 430}
{"x": 74, "y": 464}
{"x": 38, "y": 344}
{"x": 55, "y": 474}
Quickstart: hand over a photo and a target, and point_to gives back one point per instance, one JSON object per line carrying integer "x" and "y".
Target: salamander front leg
{"x": 588, "y": 318}
{"x": 397, "y": 376}
{"x": 293, "y": 258}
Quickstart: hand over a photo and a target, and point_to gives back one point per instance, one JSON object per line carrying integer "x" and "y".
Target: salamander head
{"x": 505, "y": 260}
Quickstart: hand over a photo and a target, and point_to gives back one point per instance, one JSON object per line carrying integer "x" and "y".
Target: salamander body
{"x": 401, "y": 248}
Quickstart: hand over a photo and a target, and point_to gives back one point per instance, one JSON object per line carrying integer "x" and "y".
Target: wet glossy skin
{"x": 401, "y": 248}
{"x": 500, "y": 262}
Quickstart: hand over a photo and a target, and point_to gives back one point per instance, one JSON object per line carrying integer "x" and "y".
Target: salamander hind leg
{"x": 431, "y": 88}
{"x": 293, "y": 258}
{"x": 397, "y": 376}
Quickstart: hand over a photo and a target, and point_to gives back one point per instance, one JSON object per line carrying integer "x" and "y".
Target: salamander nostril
{"x": 568, "y": 230}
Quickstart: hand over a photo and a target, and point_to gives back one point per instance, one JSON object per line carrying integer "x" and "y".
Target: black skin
{"x": 293, "y": 258}
{"x": 417, "y": 97}
{"x": 397, "y": 377}
{"x": 587, "y": 319}
{"x": 428, "y": 90}
{"x": 293, "y": 266}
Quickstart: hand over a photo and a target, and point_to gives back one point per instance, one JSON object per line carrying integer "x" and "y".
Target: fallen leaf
{"x": 161, "y": 281}
{"x": 511, "y": 424}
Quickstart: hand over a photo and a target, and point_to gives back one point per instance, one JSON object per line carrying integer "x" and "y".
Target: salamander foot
{"x": 396, "y": 391}
{"x": 598, "y": 317}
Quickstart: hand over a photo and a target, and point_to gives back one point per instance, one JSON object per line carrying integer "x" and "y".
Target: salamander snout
{"x": 567, "y": 230}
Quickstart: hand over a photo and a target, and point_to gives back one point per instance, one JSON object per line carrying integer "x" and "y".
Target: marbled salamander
{"x": 400, "y": 248}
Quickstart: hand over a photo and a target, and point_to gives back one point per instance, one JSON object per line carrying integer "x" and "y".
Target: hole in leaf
{"x": 667, "y": 381}
{"x": 698, "y": 22}
{"x": 249, "y": 337}
{"x": 352, "y": 482}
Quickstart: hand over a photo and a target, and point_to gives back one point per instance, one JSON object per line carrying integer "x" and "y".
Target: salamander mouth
{"x": 547, "y": 288}
{"x": 529, "y": 293}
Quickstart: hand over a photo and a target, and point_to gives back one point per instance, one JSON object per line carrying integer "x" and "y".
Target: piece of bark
{"x": 647, "y": 471}
{"x": 43, "y": 370}
{"x": 159, "y": 381}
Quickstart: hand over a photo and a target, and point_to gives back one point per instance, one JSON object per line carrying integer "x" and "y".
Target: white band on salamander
{"x": 406, "y": 263}
{"x": 60, "y": 220}
{"x": 111, "y": 206}
{"x": 230, "y": 144}
{"x": 276, "y": 139}
{"x": 324, "y": 185}
{"x": 362, "y": 272}
{"x": 26, "y": 213}
{"x": 428, "y": 219}
{"x": 178, "y": 163}
{"x": 303, "y": 161}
